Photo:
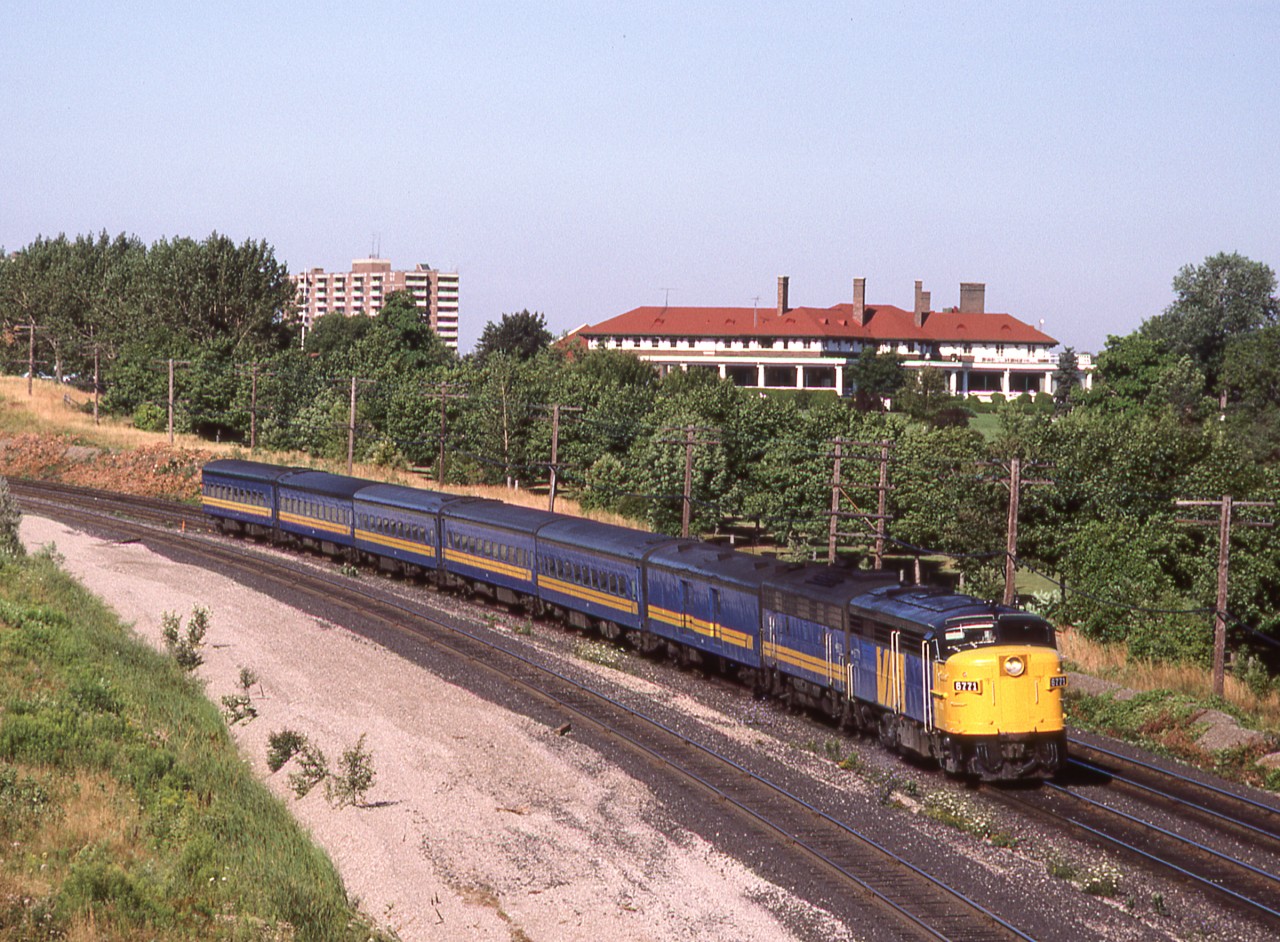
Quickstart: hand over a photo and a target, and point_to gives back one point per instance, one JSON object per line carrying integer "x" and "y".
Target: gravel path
{"x": 481, "y": 825}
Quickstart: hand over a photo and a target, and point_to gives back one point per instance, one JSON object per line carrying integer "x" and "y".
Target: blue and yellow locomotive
{"x": 976, "y": 686}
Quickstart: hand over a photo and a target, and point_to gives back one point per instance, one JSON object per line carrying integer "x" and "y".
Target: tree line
{"x": 1185, "y": 407}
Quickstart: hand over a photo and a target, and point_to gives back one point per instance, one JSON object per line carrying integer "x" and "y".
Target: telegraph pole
{"x": 1015, "y": 482}
{"x": 555, "y": 448}
{"x": 254, "y": 372}
{"x": 351, "y": 427}
{"x": 31, "y": 353}
{"x": 351, "y": 423}
{"x": 837, "y": 455}
{"x": 688, "y": 442}
{"x": 97, "y": 356}
{"x": 446, "y": 392}
{"x": 1225, "y": 507}
{"x": 172, "y": 363}
{"x": 881, "y": 516}
{"x": 1011, "y": 532}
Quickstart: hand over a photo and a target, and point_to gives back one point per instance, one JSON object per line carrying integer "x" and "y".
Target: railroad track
{"x": 826, "y": 859}
{"x": 49, "y": 497}
{"x": 1219, "y": 840}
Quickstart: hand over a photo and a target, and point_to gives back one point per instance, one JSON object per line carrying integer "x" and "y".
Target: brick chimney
{"x": 860, "y": 301}
{"x": 973, "y": 297}
{"x": 922, "y": 304}
{"x": 783, "y": 282}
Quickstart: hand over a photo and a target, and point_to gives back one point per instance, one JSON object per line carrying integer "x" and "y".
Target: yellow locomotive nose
{"x": 999, "y": 690}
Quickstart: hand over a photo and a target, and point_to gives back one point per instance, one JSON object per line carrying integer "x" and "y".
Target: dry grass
{"x": 1113, "y": 663}
{"x": 55, "y": 408}
{"x": 53, "y": 414}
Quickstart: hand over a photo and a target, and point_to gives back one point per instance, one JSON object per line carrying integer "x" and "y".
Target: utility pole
{"x": 97, "y": 357}
{"x": 351, "y": 424}
{"x": 555, "y": 450}
{"x": 1225, "y": 508}
{"x": 446, "y": 392}
{"x": 1015, "y": 482}
{"x": 837, "y": 455}
{"x": 688, "y": 442}
{"x": 254, "y": 373}
{"x": 172, "y": 363}
{"x": 880, "y": 517}
{"x": 253, "y": 407}
{"x": 31, "y": 353}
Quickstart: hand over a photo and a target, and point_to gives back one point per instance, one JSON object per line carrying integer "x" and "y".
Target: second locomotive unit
{"x": 974, "y": 685}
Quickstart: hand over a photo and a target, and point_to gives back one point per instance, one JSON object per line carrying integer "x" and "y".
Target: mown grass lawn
{"x": 125, "y": 810}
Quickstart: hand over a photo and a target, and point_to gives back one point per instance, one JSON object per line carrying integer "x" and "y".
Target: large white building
{"x": 980, "y": 353}
{"x": 362, "y": 290}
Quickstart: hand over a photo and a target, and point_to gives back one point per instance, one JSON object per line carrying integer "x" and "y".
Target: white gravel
{"x": 481, "y": 824}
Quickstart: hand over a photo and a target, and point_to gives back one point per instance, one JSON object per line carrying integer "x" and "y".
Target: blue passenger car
{"x": 591, "y": 572}
{"x": 805, "y": 633}
{"x": 316, "y": 508}
{"x": 708, "y": 598}
{"x": 241, "y": 493}
{"x": 491, "y": 545}
{"x": 400, "y": 523}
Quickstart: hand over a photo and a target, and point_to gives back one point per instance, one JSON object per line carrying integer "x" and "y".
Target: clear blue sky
{"x": 581, "y": 159}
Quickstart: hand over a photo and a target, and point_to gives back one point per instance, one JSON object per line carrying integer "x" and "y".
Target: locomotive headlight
{"x": 1014, "y": 666}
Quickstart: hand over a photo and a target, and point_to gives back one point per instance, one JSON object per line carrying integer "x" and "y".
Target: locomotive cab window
{"x": 1025, "y": 629}
{"x": 962, "y": 634}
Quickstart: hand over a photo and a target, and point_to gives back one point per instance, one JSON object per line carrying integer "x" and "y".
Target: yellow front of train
{"x": 999, "y": 704}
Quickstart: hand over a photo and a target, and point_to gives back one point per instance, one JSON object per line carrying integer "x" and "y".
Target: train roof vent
{"x": 826, "y": 578}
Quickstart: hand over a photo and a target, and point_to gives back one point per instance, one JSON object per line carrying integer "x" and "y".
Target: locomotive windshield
{"x": 960, "y": 634}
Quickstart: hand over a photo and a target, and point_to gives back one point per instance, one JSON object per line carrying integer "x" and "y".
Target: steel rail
{"x": 1215, "y": 790}
{"x": 1266, "y": 875}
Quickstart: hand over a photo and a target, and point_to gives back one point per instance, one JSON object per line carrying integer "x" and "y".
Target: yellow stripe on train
{"x": 795, "y": 658}
{"x": 305, "y": 521}
{"x": 481, "y": 562}
{"x": 256, "y": 510}
{"x": 393, "y": 542}
{"x": 700, "y": 626}
{"x": 588, "y": 595}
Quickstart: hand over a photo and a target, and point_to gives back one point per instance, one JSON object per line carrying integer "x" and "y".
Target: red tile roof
{"x": 883, "y": 322}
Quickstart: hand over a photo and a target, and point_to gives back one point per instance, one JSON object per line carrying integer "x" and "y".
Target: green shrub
{"x": 313, "y": 768}
{"x": 283, "y": 746}
{"x": 238, "y": 707}
{"x": 598, "y": 652}
{"x": 953, "y": 811}
{"x": 1101, "y": 880}
{"x": 185, "y": 645}
{"x": 10, "y": 519}
{"x": 355, "y": 776}
{"x": 150, "y": 417}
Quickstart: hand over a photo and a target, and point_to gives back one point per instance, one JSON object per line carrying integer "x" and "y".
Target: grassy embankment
{"x": 125, "y": 810}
